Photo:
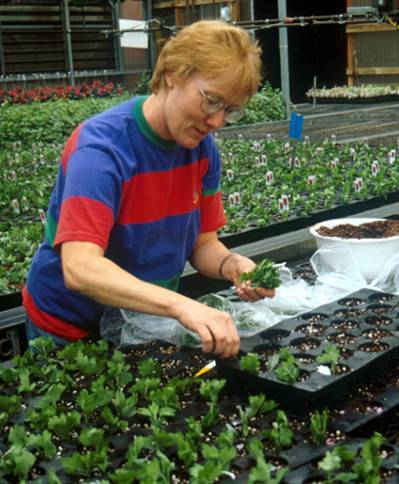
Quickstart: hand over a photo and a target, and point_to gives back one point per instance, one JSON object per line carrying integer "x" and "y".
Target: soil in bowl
{"x": 369, "y": 230}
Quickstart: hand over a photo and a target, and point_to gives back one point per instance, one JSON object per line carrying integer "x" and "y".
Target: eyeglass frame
{"x": 231, "y": 113}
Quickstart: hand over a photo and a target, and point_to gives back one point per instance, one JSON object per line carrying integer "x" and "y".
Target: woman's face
{"x": 185, "y": 121}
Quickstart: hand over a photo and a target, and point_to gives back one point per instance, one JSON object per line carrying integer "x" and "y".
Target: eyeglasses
{"x": 212, "y": 104}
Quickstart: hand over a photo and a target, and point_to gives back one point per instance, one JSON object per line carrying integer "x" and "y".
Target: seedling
{"x": 318, "y": 426}
{"x": 262, "y": 472}
{"x": 285, "y": 366}
{"x": 366, "y": 470}
{"x": 211, "y": 389}
{"x": 280, "y": 434}
{"x": 250, "y": 362}
{"x": 330, "y": 356}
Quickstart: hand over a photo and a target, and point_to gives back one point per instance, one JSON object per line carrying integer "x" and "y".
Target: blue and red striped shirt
{"x": 142, "y": 199}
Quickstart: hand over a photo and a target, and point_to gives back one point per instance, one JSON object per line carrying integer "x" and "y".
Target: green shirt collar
{"x": 146, "y": 129}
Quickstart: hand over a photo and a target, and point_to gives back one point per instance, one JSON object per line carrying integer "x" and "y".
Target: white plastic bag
{"x": 337, "y": 276}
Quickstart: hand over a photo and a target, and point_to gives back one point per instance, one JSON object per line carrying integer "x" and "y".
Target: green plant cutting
{"x": 265, "y": 274}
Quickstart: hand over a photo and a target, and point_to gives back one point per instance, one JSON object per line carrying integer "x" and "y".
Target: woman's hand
{"x": 216, "y": 329}
{"x": 236, "y": 265}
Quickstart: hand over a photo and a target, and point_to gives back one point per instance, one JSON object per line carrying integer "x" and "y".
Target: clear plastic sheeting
{"x": 337, "y": 276}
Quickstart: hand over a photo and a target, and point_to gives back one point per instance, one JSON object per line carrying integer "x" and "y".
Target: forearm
{"x": 208, "y": 257}
{"x": 102, "y": 280}
{"x": 87, "y": 271}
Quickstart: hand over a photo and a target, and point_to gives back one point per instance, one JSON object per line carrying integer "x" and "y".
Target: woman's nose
{"x": 216, "y": 120}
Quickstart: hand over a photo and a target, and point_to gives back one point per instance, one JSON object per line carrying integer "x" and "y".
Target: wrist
{"x": 224, "y": 265}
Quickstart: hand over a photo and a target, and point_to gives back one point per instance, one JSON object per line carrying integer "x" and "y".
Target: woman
{"x": 138, "y": 194}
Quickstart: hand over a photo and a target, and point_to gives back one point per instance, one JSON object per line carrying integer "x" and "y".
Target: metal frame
{"x": 77, "y": 75}
{"x": 2, "y": 59}
{"x": 67, "y": 35}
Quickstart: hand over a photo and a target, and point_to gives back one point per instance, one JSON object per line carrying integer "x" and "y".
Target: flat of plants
{"x": 92, "y": 413}
{"x": 312, "y": 360}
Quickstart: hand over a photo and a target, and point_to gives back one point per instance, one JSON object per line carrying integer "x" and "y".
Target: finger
{"x": 249, "y": 295}
{"x": 208, "y": 343}
{"x": 263, "y": 292}
{"x": 235, "y": 347}
{"x": 226, "y": 338}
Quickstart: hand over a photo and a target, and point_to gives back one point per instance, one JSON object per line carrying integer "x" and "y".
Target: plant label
{"x": 15, "y": 206}
{"x": 42, "y": 216}
{"x": 269, "y": 178}
{"x": 375, "y": 168}
{"x": 358, "y": 184}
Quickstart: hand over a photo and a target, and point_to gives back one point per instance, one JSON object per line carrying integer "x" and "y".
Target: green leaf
{"x": 43, "y": 443}
{"x": 250, "y": 362}
{"x": 330, "y": 463}
{"x": 63, "y": 424}
{"x": 10, "y": 404}
{"x": 265, "y": 274}
{"x": 91, "y": 437}
{"x": 211, "y": 388}
{"x": 149, "y": 368}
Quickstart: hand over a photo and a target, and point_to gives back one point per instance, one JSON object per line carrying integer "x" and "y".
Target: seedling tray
{"x": 310, "y": 473}
{"x": 363, "y": 325}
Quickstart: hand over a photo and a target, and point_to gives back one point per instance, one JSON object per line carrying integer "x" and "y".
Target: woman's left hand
{"x": 235, "y": 266}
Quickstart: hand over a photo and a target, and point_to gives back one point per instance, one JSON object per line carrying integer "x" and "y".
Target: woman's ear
{"x": 169, "y": 80}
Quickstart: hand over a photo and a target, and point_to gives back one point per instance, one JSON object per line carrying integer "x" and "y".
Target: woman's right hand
{"x": 216, "y": 329}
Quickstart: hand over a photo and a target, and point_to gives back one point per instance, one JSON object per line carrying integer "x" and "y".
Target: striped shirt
{"x": 142, "y": 199}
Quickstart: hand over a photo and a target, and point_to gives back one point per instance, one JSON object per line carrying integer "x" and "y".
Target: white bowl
{"x": 369, "y": 255}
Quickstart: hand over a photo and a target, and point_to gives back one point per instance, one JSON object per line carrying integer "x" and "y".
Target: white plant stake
{"x": 25, "y": 204}
{"x": 256, "y": 146}
{"x": 230, "y": 155}
{"x": 231, "y": 199}
{"x": 13, "y": 175}
{"x": 230, "y": 174}
{"x": 287, "y": 147}
{"x": 269, "y": 177}
{"x": 375, "y": 168}
{"x": 392, "y": 156}
{"x": 311, "y": 180}
{"x": 352, "y": 152}
{"x": 269, "y": 137}
{"x": 333, "y": 139}
{"x": 15, "y": 206}
{"x": 319, "y": 150}
{"x": 358, "y": 184}
{"x": 297, "y": 163}
{"x": 257, "y": 160}
{"x": 334, "y": 163}
{"x": 263, "y": 160}
{"x": 306, "y": 140}
{"x": 237, "y": 198}
{"x": 42, "y": 216}
{"x": 283, "y": 204}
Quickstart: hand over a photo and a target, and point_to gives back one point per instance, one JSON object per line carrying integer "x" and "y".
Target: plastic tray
{"x": 308, "y": 335}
